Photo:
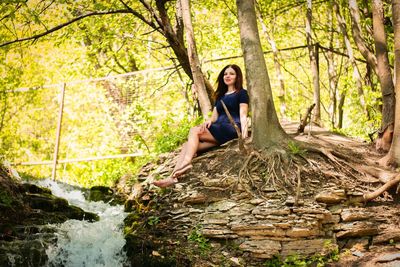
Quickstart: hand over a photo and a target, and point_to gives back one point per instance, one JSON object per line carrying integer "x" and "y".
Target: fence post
{"x": 60, "y": 115}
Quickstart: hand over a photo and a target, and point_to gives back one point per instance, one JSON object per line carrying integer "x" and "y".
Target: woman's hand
{"x": 205, "y": 125}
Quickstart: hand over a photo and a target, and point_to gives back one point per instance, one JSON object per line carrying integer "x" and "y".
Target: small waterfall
{"x": 85, "y": 244}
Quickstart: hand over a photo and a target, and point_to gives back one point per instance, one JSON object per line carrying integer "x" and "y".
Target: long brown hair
{"x": 222, "y": 88}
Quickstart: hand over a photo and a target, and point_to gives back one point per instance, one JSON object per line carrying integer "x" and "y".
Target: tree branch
{"x": 239, "y": 134}
{"x": 58, "y": 27}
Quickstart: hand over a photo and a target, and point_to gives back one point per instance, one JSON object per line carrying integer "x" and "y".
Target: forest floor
{"x": 329, "y": 162}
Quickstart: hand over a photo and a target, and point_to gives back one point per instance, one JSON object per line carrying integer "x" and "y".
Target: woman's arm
{"x": 243, "y": 119}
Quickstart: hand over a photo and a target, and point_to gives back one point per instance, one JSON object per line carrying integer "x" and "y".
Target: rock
{"x": 330, "y": 197}
{"x": 221, "y": 206}
{"x": 303, "y": 232}
{"x": 46, "y": 202}
{"x": 101, "y": 193}
{"x": 350, "y": 215}
{"x": 263, "y": 249}
{"x": 388, "y": 257}
{"x": 35, "y": 189}
{"x": 307, "y": 247}
{"x": 357, "y": 229}
{"x": 23, "y": 253}
{"x": 387, "y": 236}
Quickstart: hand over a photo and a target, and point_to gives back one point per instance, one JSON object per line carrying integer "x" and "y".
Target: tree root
{"x": 372, "y": 195}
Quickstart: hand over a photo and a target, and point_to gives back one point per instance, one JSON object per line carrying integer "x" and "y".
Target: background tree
{"x": 384, "y": 72}
{"x": 393, "y": 156}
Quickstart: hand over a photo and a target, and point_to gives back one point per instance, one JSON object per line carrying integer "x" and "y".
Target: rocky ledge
{"x": 210, "y": 219}
{"x": 25, "y": 212}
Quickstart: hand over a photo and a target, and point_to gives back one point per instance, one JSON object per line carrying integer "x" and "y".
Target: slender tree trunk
{"x": 393, "y": 157}
{"x": 349, "y": 48}
{"x": 174, "y": 38}
{"x": 340, "y": 110}
{"x": 384, "y": 73}
{"x": 357, "y": 36}
{"x": 277, "y": 64}
{"x": 266, "y": 127}
{"x": 313, "y": 53}
{"x": 198, "y": 76}
{"x": 332, "y": 75}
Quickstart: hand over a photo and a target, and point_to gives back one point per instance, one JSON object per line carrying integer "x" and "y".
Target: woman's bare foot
{"x": 166, "y": 182}
{"x": 182, "y": 170}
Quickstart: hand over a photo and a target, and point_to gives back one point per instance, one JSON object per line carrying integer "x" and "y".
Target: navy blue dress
{"x": 222, "y": 130}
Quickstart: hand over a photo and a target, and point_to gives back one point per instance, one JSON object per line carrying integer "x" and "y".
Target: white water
{"x": 86, "y": 244}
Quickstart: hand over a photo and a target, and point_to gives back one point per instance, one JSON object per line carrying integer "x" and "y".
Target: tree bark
{"x": 340, "y": 110}
{"x": 384, "y": 72}
{"x": 349, "y": 48}
{"x": 313, "y": 54}
{"x": 357, "y": 36}
{"x": 266, "y": 127}
{"x": 277, "y": 64}
{"x": 174, "y": 39}
{"x": 393, "y": 156}
{"x": 198, "y": 77}
{"x": 332, "y": 75}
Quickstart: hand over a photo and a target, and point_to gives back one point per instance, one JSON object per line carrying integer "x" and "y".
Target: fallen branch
{"x": 305, "y": 119}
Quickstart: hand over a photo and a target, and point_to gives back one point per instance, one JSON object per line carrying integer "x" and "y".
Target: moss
{"x": 5, "y": 199}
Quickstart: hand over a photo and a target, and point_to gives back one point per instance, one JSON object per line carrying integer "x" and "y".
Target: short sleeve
{"x": 243, "y": 96}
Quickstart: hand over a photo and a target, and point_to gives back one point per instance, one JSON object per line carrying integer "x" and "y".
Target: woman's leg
{"x": 187, "y": 153}
{"x": 198, "y": 140}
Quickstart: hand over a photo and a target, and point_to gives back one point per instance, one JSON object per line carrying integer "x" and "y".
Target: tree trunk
{"x": 332, "y": 75}
{"x": 340, "y": 110}
{"x": 174, "y": 39}
{"x": 313, "y": 53}
{"x": 384, "y": 72}
{"x": 349, "y": 48}
{"x": 393, "y": 157}
{"x": 277, "y": 64}
{"x": 266, "y": 127}
{"x": 357, "y": 36}
{"x": 198, "y": 76}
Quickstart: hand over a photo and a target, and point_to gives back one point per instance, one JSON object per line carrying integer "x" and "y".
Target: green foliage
{"x": 172, "y": 134}
{"x": 196, "y": 237}
{"x": 295, "y": 149}
{"x": 5, "y": 199}
{"x": 153, "y": 220}
{"x": 317, "y": 260}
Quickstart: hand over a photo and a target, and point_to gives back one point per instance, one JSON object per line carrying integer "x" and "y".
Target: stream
{"x": 83, "y": 243}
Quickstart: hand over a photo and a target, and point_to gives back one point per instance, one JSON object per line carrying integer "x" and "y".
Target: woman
{"x": 217, "y": 130}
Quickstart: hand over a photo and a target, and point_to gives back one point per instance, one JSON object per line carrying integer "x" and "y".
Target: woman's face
{"x": 229, "y": 76}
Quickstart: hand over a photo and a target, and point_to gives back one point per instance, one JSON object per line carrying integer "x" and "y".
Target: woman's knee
{"x": 194, "y": 130}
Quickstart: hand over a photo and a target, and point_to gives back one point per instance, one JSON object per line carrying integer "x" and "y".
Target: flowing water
{"x": 86, "y": 244}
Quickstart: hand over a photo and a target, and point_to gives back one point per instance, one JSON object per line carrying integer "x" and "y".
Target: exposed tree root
{"x": 370, "y": 196}
{"x": 283, "y": 170}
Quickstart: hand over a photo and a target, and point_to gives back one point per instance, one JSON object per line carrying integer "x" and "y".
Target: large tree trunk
{"x": 349, "y": 48}
{"x": 198, "y": 76}
{"x": 266, "y": 129}
{"x": 393, "y": 157}
{"x": 313, "y": 53}
{"x": 384, "y": 74}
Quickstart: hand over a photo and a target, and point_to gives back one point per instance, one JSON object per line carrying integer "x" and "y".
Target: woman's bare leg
{"x": 187, "y": 153}
{"x": 194, "y": 145}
